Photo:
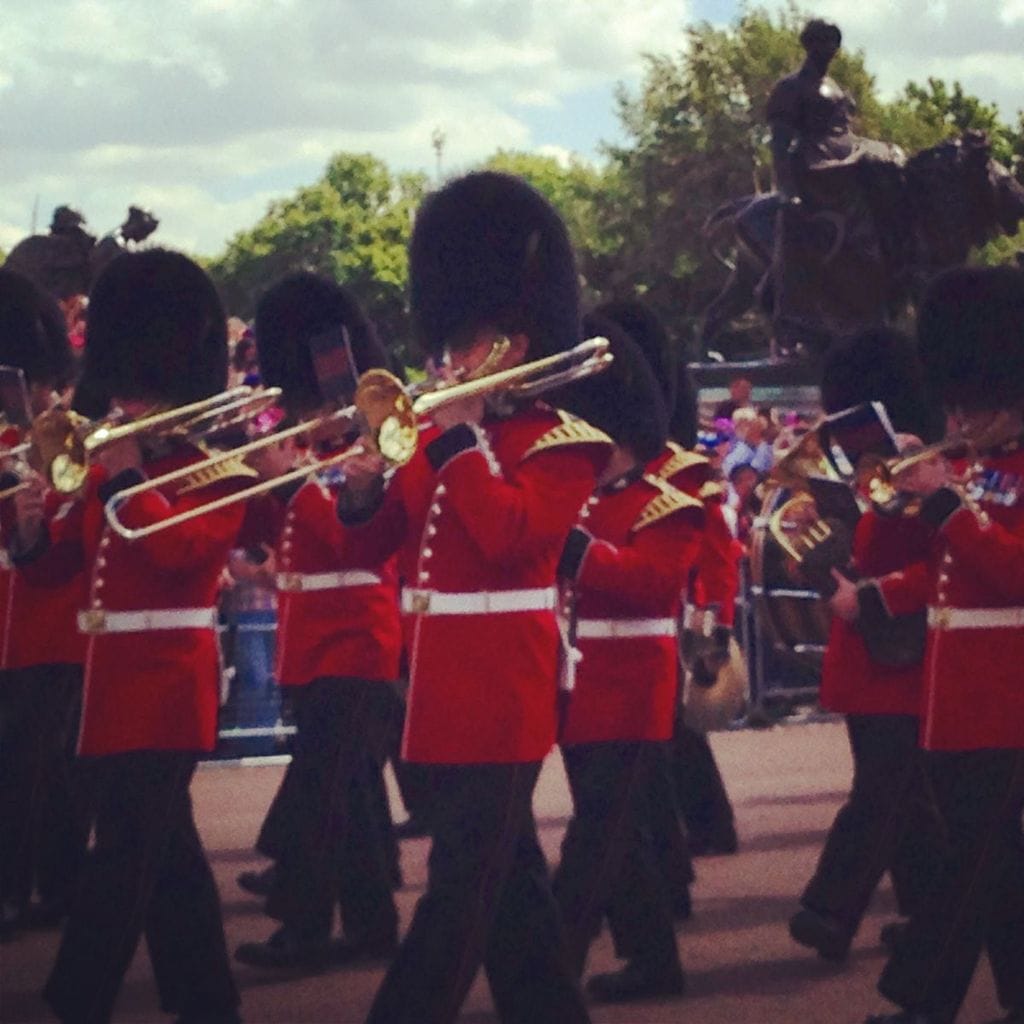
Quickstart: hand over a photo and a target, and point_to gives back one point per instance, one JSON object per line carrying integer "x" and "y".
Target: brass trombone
{"x": 62, "y": 442}
{"x": 386, "y": 416}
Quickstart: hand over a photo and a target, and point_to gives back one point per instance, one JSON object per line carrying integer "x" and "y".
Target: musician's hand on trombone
{"x": 362, "y": 475}
{"x": 28, "y": 510}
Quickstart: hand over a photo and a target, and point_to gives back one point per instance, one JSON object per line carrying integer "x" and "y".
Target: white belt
{"x": 602, "y": 629}
{"x": 976, "y": 618}
{"x": 98, "y": 620}
{"x": 301, "y": 582}
{"x": 433, "y": 602}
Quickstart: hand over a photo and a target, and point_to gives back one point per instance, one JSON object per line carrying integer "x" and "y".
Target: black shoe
{"x": 285, "y": 950}
{"x": 633, "y": 982}
{"x": 714, "y": 845}
{"x": 892, "y": 935}
{"x": 210, "y": 1017}
{"x": 257, "y": 882}
{"x": 1015, "y": 1016}
{"x": 821, "y": 933}
{"x": 412, "y": 828}
{"x": 44, "y": 914}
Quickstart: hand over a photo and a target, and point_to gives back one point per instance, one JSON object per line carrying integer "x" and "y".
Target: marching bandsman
{"x": 625, "y": 564}
{"x": 43, "y": 827}
{"x": 971, "y": 342}
{"x": 338, "y": 649}
{"x": 156, "y": 337}
{"x": 887, "y": 822}
{"x": 482, "y": 511}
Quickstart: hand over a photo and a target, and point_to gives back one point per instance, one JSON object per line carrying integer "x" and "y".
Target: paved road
{"x": 742, "y": 967}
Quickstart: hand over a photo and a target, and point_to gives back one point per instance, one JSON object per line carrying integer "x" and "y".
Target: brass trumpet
{"x": 386, "y": 415}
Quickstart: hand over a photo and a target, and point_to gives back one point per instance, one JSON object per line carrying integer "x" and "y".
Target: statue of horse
{"x": 68, "y": 259}
{"x": 951, "y": 198}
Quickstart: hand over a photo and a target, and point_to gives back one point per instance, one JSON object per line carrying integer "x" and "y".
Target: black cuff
{"x": 938, "y": 507}
{"x": 454, "y": 440}
{"x": 573, "y": 553}
{"x": 41, "y": 546}
{"x": 125, "y": 479}
{"x": 871, "y": 606}
{"x": 352, "y": 513}
{"x": 9, "y": 480}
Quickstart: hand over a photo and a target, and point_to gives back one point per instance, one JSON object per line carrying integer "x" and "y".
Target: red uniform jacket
{"x": 629, "y": 564}
{"x": 480, "y": 517}
{"x": 973, "y": 585}
{"x": 716, "y": 579}
{"x": 154, "y": 688}
{"x": 851, "y": 683}
{"x": 337, "y": 615}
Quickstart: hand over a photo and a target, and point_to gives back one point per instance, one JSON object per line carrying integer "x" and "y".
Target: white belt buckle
{"x": 420, "y": 603}
{"x": 92, "y": 621}
{"x": 942, "y": 618}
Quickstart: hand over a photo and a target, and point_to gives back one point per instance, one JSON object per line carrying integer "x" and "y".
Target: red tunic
{"x": 646, "y": 537}
{"x": 851, "y": 683}
{"x": 717, "y": 578}
{"x": 973, "y": 584}
{"x": 337, "y": 615}
{"x": 154, "y": 688}
{"x": 487, "y": 526}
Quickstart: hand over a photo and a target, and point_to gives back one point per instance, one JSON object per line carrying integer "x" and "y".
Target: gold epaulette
{"x": 570, "y": 431}
{"x": 669, "y": 499}
{"x": 713, "y": 490}
{"x": 682, "y": 458}
{"x": 204, "y": 475}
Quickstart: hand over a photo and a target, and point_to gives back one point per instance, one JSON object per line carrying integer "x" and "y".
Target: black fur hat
{"x": 298, "y": 313}
{"x": 624, "y": 401}
{"x": 155, "y": 330}
{"x": 671, "y": 373}
{"x": 33, "y": 334}
{"x": 488, "y": 250}
{"x": 880, "y": 365}
{"x": 970, "y": 331}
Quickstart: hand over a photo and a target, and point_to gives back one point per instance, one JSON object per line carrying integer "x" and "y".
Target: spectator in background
{"x": 742, "y": 499}
{"x": 244, "y": 365}
{"x": 749, "y": 445}
{"x": 739, "y": 398}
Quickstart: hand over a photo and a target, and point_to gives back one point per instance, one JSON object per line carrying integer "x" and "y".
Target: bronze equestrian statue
{"x": 68, "y": 259}
{"x": 853, "y": 227}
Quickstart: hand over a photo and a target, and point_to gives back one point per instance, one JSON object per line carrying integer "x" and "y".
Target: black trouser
{"x": 488, "y": 901}
{"x": 978, "y": 899}
{"x": 44, "y": 807}
{"x": 889, "y": 821}
{"x": 414, "y": 780}
{"x": 607, "y": 861}
{"x": 147, "y": 873}
{"x": 703, "y": 800}
{"x": 338, "y": 850}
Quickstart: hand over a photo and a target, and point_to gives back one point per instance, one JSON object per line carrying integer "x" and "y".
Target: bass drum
{"x": 792, "y": 620}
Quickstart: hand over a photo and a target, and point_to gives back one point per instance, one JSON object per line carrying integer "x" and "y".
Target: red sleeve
{"x": 190, "y": 544}
{"x": 991, "y": 552}
{"x": 533, "y": 509}
{"x": 652, "y": 569}
{"x": 262, "y": 521}
{"x": 718, "y": 564}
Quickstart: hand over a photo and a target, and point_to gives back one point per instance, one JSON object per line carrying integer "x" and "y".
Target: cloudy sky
{"x": 205, "y": 110}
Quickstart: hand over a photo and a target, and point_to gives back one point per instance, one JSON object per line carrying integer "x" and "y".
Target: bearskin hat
{"x": 155, "y": 330}
{"x": 880, "y": 365}
{"x": 672, "y": 374}
{"x": 295, "y": 316}
{"x": 970, "y": 331}
{"x": 625, "y": 400}
{"x": 33, "y": 334}
{"x": 488, "y": 250}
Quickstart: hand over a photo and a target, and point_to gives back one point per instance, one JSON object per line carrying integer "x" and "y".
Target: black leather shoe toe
{"x": 823, "y": 934}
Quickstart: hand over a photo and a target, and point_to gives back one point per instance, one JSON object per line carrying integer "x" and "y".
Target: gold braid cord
{"x": 667, "y": 501}
{"x": 681, "y": 459}
{"x": 570, "y": 431}
{"x": 713, "y": 490}
{"x": 204, "y": 476}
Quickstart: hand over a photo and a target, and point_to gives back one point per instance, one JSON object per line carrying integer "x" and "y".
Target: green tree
{"x": 352, "y": 225}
